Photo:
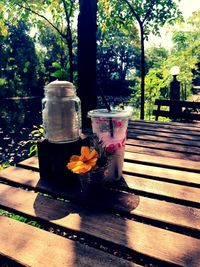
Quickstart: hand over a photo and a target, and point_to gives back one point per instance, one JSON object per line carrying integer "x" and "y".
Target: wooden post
{"x": 87, "y": 58}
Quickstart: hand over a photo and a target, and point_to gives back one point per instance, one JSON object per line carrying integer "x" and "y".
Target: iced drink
{"x": 111, "y": 129}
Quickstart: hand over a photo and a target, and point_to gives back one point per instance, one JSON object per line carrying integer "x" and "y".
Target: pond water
{"x": 17, "y": 118}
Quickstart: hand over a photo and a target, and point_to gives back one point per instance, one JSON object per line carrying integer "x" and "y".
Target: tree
{"x": 19, "y": 65}
{"x": 117, "y": 50}
{"x": 155, "y": 56}
{"x": 52, "y": 51}
{"x": 186, "y": 51}
{"x": 59, "y": 14}
{"x": 151, "y": 15}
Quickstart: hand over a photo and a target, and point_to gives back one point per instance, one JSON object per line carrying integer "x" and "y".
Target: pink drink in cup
{"x": 111, "y": 129}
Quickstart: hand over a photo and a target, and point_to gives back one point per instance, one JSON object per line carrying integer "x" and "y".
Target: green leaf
{"x": 56, "y": 65}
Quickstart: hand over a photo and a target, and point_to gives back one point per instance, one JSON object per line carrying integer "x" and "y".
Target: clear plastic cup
{"x": 111, "y": 130}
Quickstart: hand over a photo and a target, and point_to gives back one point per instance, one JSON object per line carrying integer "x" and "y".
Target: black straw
{"x": 104, "y": 100}
{"x": 109, "y": 110}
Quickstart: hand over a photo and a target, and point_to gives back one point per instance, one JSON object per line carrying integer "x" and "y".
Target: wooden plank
{"x": 180, "y": 115}
{"x": 162, "y": 153}
{"x": 169, "y": 124}
{"x": 158, "y": 173}
{"x": 151, "y": 131}
{"x": 31, "y": 162}
{"x": 187, "y": 215}
{"x": 31, "y": 246}
{"x": 146, "y": 239}
{"x": 175, "y": 163}
{"x": 164, "y": 146}
{"x": 169, "y": 190}
{"x": 166, "y": 128}
{"x": 181, "y": 164}
{"x": 152, "y": 171}
{"x": 179, "y": 103}
{"x": 183, "y": 193}
{"x": 162, "y": 139}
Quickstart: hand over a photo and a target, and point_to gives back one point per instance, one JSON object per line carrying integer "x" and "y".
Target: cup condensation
{"x": 111, "y": 129}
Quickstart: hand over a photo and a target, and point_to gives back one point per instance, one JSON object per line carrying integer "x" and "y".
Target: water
{"x": 17, "y": 118}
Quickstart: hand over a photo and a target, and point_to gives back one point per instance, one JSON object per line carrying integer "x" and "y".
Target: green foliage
{"x": 157, "y": 85}
{"x": 117, "y": 49}
{"x": 53, "y": 53}
{"x": 155, "y": 56}
{"x": 19, "y": 62}
{"x": 186, "y": 51}
{"x": 59, "y": 15}
{"x": 19, "y": 218}
{"x": 150, "y": 16}
{"x": 60, "y": 73}
{"x": 35, "y": 135}
{"x": 4, "y": 165}
{"x": 185, "y": 54}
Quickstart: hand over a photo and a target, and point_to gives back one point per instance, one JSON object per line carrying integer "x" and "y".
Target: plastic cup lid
{"x": 115, "y": 113}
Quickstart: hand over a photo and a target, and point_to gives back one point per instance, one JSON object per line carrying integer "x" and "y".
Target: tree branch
{"x": 66, "y": 13}
{"x": 41, "y": 16}
{"x": 134, "y": 12}
{"x": 149, "y": 11}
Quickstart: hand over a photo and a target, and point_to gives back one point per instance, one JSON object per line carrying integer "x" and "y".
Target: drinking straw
{"x": 109, "y": 110}
{"x": 104, "y": 100}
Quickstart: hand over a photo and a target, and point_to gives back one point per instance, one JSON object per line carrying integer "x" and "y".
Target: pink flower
{"x": 124, "y": 141}
{"x": 111, "y": 148}
{"x": 97, "y": 121}
{"x": 118, "y": 123}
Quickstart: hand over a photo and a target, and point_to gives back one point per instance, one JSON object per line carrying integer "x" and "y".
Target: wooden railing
{"x": 183, "y": 110}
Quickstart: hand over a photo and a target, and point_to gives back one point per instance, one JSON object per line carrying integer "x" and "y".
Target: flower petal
{"x": 82, "y": 168}
{"x": 83, "y": 163}
{"x": 92, "y": 162}
{"x": 71, "y": 165}
{"x": 74, "y": 158}
{"x": 93, "y": 154}
{"x": 85, "y": 152}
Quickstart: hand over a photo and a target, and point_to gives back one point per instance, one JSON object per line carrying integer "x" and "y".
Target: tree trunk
{"x": 71, "y": 69}
{"x": 142, "y": 72}
{"x": 87, "y": 57}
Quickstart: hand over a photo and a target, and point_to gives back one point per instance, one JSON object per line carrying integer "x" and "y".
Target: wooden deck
{"x": 152, "y": 217}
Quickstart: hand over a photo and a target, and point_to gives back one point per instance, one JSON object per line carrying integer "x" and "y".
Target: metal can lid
{"x": 60, "y": 88}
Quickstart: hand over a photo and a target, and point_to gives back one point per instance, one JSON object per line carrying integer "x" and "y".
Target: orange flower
{"x": 83, "y": 163}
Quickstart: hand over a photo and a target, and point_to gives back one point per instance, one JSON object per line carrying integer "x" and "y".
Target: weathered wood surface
{"x": 165, "y": 162}
{"x": 141, "y": 165}
{"x": 131, "y": 234}
{"x": 148, "y": 185}
{"x": 170, "y": 125}
{"x": 36, "y": 247}
{"x": 154, "y": 212}
{"x": 141, "y": 208}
